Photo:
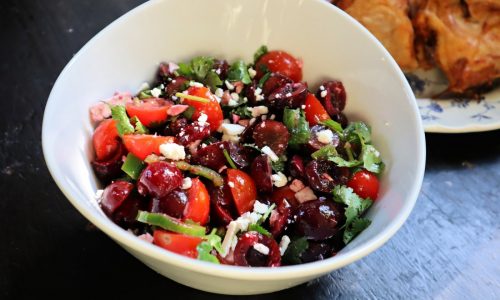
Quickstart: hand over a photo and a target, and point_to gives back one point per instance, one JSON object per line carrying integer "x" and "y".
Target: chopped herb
{"x": 325, "y": 152}
{"x": 335, "y": 126}
{"x": 205, "y": 248}
{"x": 259, "y": 229}
{"x": 188, "y": 113}
{"x": 279, "y": 165}
{"x": 357, "y": 225}
{"x": 212, "y": 80}
{"x": 197, "y": 68}
{"x": 229, "y": 160}
{"x": 239, "y": 72}
{"x": 133, "y": 166}
{"x": 345, "y": 163}
{"x": 261, "y": 51}
{"x": 119, "y": 114}
{"x": 297, "y": 125}
{"x": 295, "y": 250}
{"x": 357, "y": 132}
{"x": 145, "y": 94}
{"x": 242, "y": 111}
{"x": 371, "y": 159}
{"x": 264, "y": 79}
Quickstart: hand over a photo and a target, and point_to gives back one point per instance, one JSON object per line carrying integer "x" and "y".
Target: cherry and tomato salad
{"x": 240, "y": 164}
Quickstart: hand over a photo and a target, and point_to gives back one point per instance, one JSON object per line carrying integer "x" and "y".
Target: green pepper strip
{"x": 201, "y": 171}
{"x": 133, "y": 166}
{"x": 171, "y": 224}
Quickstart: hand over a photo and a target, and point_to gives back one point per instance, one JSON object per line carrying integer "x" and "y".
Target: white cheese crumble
{"x": 321, "y": 87}
{"x": 235, "y": 96}
{"x": 144, "y": 86}
{"x": 303, "y": 106}
{"x": 219, "y": 92}
{"x": 285, "y": 241}
{"x": 279, "y": 179}
{"x": 260, "y": 207}
{"x": 232, "y": 102}
{"x": 232, "y": 129}
{"x": 173, "y": 151}
{"x": 202, "y": 119}
{"x": 270, "y": 153}
{"x": 231, "y": 184}
{"x": 325, "y": 136}
{"x": 323, "y": 94}
{"x": 252, "y": 72}
{"x": 156, "y": 92}
{"x": 261, "y": 248}
{"x": 187, "y": 183}
{"x": 272, "y": 117}
{"x": 98, "y": 194}
{"x": 288, "y": 95}
{"x": 229, "y": 85}
{"x": 195, "y": 84}
{"x": 257, "y": 111}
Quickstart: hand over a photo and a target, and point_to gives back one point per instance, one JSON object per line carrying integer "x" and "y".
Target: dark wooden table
{"x": 449, "y": 247}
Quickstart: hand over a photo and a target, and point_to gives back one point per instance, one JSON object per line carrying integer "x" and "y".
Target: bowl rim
{"x": 253, "y": 274}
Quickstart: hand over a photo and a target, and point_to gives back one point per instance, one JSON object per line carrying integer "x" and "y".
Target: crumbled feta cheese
{"x": 257, "y": 91}
{"x": 288, "y": 95}
{"x": 303, "y": 106}
{"x": 260, "y": 207}
{"x": 285, "y": 241}
{"x": 264, "y": 117}
{"x": 232, "y": 102}
{"x": 325, "y": 136}
{"x": 196, "y": 84}
{"x": 156, "y": 92}
{"x": 229, "y": 85}
{"x": 187, "y": 183}
{"x": 232, "y": 229}
{"x": 252, "y": 72}
{"x": 219, "y": 92}
{"x": 235, "y": 96}
{"x": 321, "y": 87}
{"x": 230, "y": 138}
{"x": 202, "y": 119}
{"x": 270, "y": 153}
{"x": 258, "y": 110}
{"x": 279, "y": 179}
{"x": 232, "y": 129}
{"x": 261, "y": 248}
{"x": 278, "y": 96}
{"x": 254, "y": 217}
{"x": 234, "y": 242}
{"x": 174, "y": 98}
{"x": 231, "y": 184}
{"x": 272, "y": 117}
{"x": 172, "y": 151}
{"x": 323, "y": 94}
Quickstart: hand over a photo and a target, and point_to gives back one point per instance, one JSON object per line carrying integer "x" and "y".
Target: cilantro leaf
{"x": 345, "y": 163}
{"x": 325, "y": 152}
{"x": 242, "y": 111}
{"x": 358, "y": 132}
{"x": 239, "y": 72}
{"x": 279, "y": 165}
{"x": 212, "y": 80}
{"x": 139, "y": 127}
{"x": 355, "y": 227}
{"x": 371, "y": 159}
{"x": 295, "y": 250}
{"x": 297, "y": 125}
{"x": 185, "y": 70}
{"x": 261, "y": 51}
{"x": 145, "y": 94}
{"x": 335, "y": 126}
{"x": 200, "y": 66}
{"x": 259, "y": 229}
{"x": 119, "y": 114}
{"x": 356, "y": 206}
{"x": 205, "y": 253}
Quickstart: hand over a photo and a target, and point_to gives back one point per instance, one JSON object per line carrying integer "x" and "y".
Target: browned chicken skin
{"x": 461, "y": 37}
{"x": 388, "y": 20}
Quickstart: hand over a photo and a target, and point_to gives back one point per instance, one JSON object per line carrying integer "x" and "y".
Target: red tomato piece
{"x": 105, "y": 139}
{"x": 315, "y": 112}
{"x": 198, "y": 204}
{"x": 365, "y": 184}
{"x": 280, "y": 62}
{"x": 212, "y": 108}
{"x": 142, "y": 145}
{"x": 151, "y": 112}
{"x": 243, "y": 190}
{"x": 178, "y": 243}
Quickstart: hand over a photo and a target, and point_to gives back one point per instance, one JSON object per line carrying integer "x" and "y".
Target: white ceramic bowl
{"x": 331, "y": 44}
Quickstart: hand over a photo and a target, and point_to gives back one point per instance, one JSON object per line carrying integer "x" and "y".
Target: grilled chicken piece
{"x": 388, "y": 20}
{"x": 462, "y": 38}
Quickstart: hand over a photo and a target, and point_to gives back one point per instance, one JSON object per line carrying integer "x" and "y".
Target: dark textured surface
{"x": 449, "y": 248}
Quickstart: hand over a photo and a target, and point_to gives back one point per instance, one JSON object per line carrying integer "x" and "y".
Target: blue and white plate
{"x": 456, "y": 115}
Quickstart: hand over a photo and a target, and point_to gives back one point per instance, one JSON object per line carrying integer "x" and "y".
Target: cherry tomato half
{"x": 178, "y": 243}
{"x": 198, "y": 204}
{"x": 365, "y": 184}
{"x": 280, "y": 62}
{"x": 243, "y": 190}
{"x": 151, "y": 112}
{"x": 142, "y": 145}
{"x": 315, "y": 112}
{"x": 212, "y": 108}
{"x": 105, "y": 139}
